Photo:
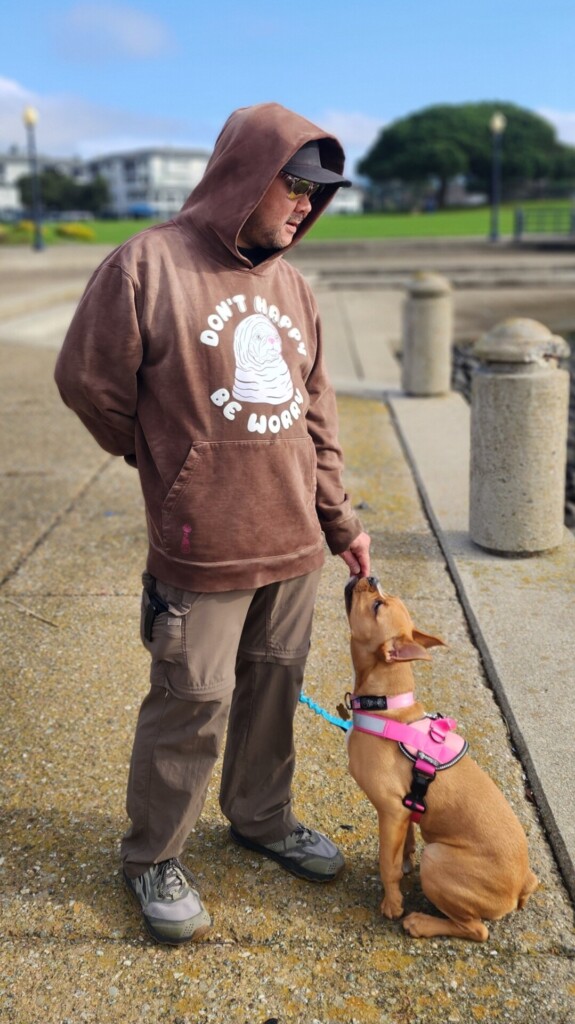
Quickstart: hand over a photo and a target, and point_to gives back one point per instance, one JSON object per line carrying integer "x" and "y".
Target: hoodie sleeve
{"x": 96, "y": 370}
{"x": 338, "y": 521}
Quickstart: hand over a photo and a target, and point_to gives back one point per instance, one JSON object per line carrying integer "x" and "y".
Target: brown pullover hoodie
{"x": 206, "y": 371}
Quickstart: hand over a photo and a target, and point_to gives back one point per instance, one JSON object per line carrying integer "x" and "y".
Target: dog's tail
{"x": 530, "y": 885}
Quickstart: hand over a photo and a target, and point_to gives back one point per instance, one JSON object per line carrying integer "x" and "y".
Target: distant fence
{"x": 550, "y": 220}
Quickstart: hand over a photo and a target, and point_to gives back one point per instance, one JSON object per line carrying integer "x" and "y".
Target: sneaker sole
{"x": 198, "y": 932}
{"x": 286, "y": 862}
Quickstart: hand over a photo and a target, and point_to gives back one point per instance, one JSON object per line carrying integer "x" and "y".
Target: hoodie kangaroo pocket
{"x": 240, "y": 500}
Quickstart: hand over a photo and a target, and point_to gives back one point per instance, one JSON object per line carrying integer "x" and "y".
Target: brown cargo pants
{"x": 234, "y": 658}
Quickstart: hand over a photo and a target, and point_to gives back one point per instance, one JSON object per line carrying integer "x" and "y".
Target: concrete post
{"x": 427, "y": 336}
{"x": 519, "y": 418}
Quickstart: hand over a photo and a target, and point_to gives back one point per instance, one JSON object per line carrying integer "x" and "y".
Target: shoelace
{"x": 302, "y": 834}
{"x": 171, "y": 880}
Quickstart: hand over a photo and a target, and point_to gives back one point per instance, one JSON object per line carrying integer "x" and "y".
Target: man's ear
{"x": 426, "y": 640}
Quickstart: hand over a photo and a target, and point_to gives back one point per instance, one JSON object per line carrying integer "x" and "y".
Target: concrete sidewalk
{"x": 73, "y": 948}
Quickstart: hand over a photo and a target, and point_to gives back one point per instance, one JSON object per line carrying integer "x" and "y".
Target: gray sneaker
{"x": 305, "y": 853}
{"x": 172, "y": 908}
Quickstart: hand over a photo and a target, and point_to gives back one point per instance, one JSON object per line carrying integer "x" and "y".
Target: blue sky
{"x": 111, "y": 75}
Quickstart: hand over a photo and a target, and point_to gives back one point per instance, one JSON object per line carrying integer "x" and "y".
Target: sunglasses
{"x": 299, "y": 187}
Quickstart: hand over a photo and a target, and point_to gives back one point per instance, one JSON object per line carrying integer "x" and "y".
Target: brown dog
{"x": 475, "y": 864}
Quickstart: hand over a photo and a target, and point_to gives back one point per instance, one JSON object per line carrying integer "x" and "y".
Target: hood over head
{"x": 254, "y": 145}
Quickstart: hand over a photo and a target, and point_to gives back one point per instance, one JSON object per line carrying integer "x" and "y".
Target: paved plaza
{"x": 72, "y": 946}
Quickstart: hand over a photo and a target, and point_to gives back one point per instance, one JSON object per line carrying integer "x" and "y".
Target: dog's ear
{"x": 410, "y": 649}
{"x": 403, "y": 649}
{"x": 426, "y": 640}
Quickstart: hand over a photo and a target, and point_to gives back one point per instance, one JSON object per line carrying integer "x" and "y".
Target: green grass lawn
{"x": 343, "y": 226}
{"x": 347, "y": 227}
{"x": 440, "y": 224}
{"x": 443, "y": 223}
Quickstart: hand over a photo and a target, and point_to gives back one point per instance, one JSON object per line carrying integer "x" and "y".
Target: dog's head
{"x": 381, "y": 626}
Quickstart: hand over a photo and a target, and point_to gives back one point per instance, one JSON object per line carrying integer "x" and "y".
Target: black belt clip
{"x": 155, "y": 607}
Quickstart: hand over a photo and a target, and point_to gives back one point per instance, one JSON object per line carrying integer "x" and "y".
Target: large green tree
{"x": 443, "y": 141}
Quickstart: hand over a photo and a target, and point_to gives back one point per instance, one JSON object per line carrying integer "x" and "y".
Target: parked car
{"x": 10, "y": 215}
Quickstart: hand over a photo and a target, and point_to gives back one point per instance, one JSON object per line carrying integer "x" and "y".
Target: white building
{"x": 347, "y": 200}
{"x": 13, "y": 166}
{"x": 151, "y": 182}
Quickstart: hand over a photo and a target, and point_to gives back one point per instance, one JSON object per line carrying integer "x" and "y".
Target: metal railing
{"x": 550, "y": 220}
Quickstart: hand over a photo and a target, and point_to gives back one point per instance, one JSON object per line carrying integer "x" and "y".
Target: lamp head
{"x": 498, "y": 123}
{"x": 30, "y": 116}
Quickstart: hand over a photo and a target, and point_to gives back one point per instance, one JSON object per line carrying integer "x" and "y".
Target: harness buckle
{"x": 415, "y": 799}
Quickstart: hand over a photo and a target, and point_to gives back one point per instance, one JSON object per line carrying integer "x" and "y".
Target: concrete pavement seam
{"x": 54, "y": 522}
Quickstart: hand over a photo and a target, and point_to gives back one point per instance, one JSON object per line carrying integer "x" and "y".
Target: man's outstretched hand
{"x": 357, "y": 555}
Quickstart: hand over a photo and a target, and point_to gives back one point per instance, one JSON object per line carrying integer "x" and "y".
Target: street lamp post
{"x": 30, "y": 117}
{"x": 497, "y": 124}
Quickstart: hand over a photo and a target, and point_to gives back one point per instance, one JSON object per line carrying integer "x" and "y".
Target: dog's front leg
{"x": 393, "y": 841}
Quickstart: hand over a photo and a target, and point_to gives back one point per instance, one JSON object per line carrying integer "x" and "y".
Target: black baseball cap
{"x": 306, "y": 163}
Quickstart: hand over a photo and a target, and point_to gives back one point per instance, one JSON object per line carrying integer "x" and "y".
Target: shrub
{"x": 75, "y": 232}
{"x": 18, "y": 234}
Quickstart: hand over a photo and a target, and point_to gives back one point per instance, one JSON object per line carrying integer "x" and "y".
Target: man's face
{"x": 275, "y": 220}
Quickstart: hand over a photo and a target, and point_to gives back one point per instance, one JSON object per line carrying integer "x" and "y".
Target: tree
{"x": 94, "y": 195}
{"x": 60, "y": 192}
{"x": 447, "y": 140}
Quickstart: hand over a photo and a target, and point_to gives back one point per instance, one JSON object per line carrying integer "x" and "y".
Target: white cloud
{"x": 96, "y": 31}
{"x": 9, "y": 88}
{"x": 356, "y": 132}
{"x": 563, "y": 121}
{"x": 352, "y": 129}
{"x": 69, "y": 126}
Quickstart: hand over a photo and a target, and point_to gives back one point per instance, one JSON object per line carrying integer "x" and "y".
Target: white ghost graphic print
{"x": 262, "y": 375}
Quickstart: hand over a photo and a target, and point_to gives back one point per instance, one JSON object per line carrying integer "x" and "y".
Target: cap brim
{"x": 319, "y": 175}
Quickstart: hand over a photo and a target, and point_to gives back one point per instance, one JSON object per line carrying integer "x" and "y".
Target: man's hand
{"x": 357, "y": 555}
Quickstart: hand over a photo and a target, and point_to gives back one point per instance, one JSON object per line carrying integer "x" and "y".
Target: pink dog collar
{"x": 373, "y": 703}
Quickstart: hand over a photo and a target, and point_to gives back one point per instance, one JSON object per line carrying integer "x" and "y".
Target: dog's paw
{"x": 392, "y": 907}
{"x": 421, "y": 926}
{"x": 414, "y": 925}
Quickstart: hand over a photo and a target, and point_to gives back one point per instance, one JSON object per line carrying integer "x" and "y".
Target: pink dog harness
{"x": 430, "y": 743}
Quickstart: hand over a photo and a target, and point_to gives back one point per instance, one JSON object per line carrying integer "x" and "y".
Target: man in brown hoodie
{"x": 196, "y": 354}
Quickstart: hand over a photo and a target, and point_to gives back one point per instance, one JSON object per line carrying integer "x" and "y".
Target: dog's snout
{"x": 367, "y": 583}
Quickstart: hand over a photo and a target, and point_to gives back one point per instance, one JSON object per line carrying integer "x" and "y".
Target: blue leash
{"x": 333, "y": 719}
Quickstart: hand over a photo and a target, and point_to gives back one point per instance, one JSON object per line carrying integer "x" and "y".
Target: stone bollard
{"x": 427, "y": 336}
{"x": 519, "y": 418}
